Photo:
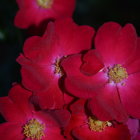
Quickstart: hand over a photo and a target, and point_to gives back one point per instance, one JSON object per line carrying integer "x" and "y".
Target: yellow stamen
{"x": 96, "y": 125}
{"x": 58, "y": 68}
{"x": 45, "y": 3}
{"x": 117, "y": 74}
{"x": 34, "y": 129}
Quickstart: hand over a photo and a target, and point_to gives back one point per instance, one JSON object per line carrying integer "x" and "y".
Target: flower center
{"x": 117, "y": 73}
{"x": 96, "y": 125}
{"x": 34, "y": 129}
{"x": 58, "y": 68}
{"x": 45, "y": 3}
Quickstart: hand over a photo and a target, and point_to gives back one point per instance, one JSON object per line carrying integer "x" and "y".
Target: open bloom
{"x": 108, "y": 75}
{"x": 86, "y": 127}
{"x": 41, "y": 70}
{"x": 34, "y": 12}
{"x": 24, "y": 122}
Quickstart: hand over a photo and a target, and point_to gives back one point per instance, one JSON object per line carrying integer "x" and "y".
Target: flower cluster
{"x": 77, "y": 84}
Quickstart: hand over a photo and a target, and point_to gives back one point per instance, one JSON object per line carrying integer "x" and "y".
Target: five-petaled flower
{"x": 24, "y": 122}
{"x": 41, "y": 70}
{"x": 34, "y": 12}
{"x": 109, "y": 75}
{"x": 82, "y": 126}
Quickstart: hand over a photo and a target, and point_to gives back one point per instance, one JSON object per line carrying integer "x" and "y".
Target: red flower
{"x": 109, "y": 75}
{"x": 41, "y": 71}
{"x": 85, "y": 127}
{"x": 23, "y": 122}
{"x": 34, "y": 12}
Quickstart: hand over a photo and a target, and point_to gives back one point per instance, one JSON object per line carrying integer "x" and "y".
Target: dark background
{"x": 88, "y": 12}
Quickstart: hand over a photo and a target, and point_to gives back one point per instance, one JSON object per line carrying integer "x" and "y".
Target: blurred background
{"x": 88, "y": 12}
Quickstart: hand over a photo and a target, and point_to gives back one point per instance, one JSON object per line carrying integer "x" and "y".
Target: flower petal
{"x": 120, "y": 132}
{"x": 16, "y": 107}
{"x": 106, "y": 105}
{"x": 92, "y": 63}
{"x": 134, "y": 65}
{"x": 115, "y": 44}
{"x": 77, "y": 83}
{"x": 11, "y": 131}
{"x": 51, "y": 98}
{"x": 129, "y": 94}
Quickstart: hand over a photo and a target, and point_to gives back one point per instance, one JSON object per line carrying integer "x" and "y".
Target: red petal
{"x": 16, "y": 107}
{"x": 40, "y": 75}
{"x": 134, "y": 65}
{"x": 73, "y": 38}
{"x": 106, "y": 105}
{"x": 75, "y": 121}
{"x": 53, "y": 134}
{"x": 120, "y": 132}
{"x": 129, "y": 94}
{"x": 115, "y": 44}
{"x": 53, "y": 118}
{"x": 51, "y": 98}
{"x": 78, "y": 107}
{"x": 76, "y": 82}
{"x": 92, "y": 63}
{"x": 11, "y": 131}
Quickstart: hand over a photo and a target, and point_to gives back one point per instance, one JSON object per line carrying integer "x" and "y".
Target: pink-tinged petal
{"x": 51, "y": 98}
{"x": 77, "y": 83}
{"x": 106, "y": 105}
{"x": 133, "y": 126}
{"x": 119, "y": 132}
{"x": 129, "y": 94}
{"x": 115, "y": 44}
{"x": 73, "y": 38}
{"x": 137, "y": 137}
{"x": 11, "y": 131}
{"x": 16, "y": 107}
{"x": 92, "y": 64}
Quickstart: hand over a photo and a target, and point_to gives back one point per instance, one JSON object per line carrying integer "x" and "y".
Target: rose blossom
{"x": 109, "y": 75}
{"x": 24, "y": 122}
{"x": 40, "y": 62}
{"x": 83, "y": 126}
{"x": 34, "y": 12}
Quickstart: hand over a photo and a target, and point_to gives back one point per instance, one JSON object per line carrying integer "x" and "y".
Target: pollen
{"x": 45, "y": 3}
{"x": 58, "y": 68}
{"x": 34, "y": 129}
{"x": 117, "y": 74}
{"x": 98, "y": 126}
